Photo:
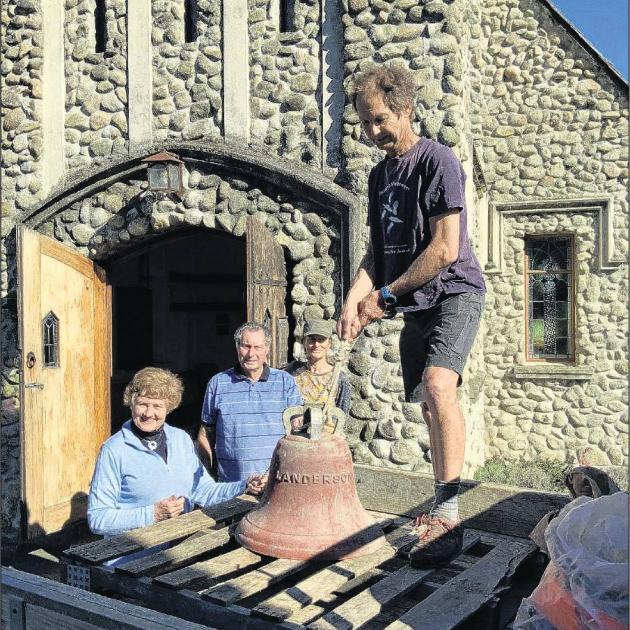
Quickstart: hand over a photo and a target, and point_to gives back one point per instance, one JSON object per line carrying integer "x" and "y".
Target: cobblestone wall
{"x": 21, "y": 68}
{"x": 96, "y": 83}
{"x": 285, "y": 81}
{"x": 552, "y": 418}
{"x": 553, "y": 126}
{"x": 187, "y": 81}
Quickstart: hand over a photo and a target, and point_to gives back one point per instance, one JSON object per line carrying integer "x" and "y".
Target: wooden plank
{"x": 177, "y": 556}
{"x": 158, "y": 533}
{"x": 369, "y": 603}
{"x": 13, "y": 609}
{"x": 371, "y": 575}
{"x": 467, "y": 592}
{"x": 254, "y": 582}
{"x": 183, "y": 603}
{"x": 286, "y": 604}
{"x": 486, "y": 506}
{"x": 201, "y": 575}
{"x": 38, "y": 618}
{"x": 78, "y": 607}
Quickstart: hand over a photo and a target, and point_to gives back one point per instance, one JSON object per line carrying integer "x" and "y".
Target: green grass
{"x": 537, "y": 474}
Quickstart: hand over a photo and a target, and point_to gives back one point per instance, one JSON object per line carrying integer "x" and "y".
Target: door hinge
{"x": 33, "y": 386}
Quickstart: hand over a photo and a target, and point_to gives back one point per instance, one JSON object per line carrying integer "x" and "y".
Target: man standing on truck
{"x": 419, "y": 262}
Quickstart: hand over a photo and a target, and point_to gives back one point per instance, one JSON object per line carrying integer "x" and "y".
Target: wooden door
{"x": 266, "y": 288}
{"x": 65, "y": 317}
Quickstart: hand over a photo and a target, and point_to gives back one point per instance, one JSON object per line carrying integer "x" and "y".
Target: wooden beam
{"x": 51, "y": 604}
{"x": 486, "y": 506}
{"x": 202, "y": 575}
{"x": 175, "y": 557}
{"x": 369, "y": 602}
{"x": 466, "y": 593}
{"x": 165, "y": 531}
{"x": 288, "y": 603}
{"x": 253, "y": 582}
{"x": 183, "y": 603}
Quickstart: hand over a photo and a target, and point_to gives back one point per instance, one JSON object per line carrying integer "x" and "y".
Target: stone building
{"x": 101, "y": 276}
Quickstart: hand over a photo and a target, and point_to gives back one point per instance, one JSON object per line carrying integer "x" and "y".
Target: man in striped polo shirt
{"x": 241, "y": 419}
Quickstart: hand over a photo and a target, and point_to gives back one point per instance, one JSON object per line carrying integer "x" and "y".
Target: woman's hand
{"x": 168, "y": 508}
{"x": 256, "y": 484}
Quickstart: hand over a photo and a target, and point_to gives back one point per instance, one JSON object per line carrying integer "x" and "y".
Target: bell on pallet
{"x": 310, "y": 509}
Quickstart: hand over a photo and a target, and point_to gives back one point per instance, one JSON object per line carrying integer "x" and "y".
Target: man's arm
{"x": 348, "y": 326}
{"x": 441, "y": 252}
{"x": 206, "y": 440}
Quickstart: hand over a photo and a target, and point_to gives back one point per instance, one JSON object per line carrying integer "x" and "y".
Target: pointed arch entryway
{"x": 250, "y": 255}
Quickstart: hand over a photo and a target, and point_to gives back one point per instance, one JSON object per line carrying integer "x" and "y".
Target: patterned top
{"x": 316, "y": 387}
{"x": 248, "y": 418}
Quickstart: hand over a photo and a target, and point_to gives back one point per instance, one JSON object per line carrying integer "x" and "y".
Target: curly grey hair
{"x": 253, "y": 326}
{"x": 395, "y": 84}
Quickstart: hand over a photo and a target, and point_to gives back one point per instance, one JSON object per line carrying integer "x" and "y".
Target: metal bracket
{"x": 78, "y": 576}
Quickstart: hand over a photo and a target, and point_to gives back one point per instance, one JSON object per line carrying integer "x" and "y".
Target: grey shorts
{"x": 441, "y": 336}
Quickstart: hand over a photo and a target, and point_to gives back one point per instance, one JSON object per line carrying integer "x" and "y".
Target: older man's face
{"x": 389, "y": 131}
{"x": 252, "y": 352}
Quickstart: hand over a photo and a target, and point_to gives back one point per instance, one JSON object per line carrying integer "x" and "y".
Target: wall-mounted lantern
{"x": 165, "y": 173}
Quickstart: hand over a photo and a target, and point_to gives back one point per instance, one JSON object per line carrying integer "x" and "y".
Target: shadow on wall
{"x": 73, "y": 530}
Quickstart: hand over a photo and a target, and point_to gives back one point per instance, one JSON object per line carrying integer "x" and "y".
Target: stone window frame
{"x": 603, "y": 207}
{"x": 607, "y": 260}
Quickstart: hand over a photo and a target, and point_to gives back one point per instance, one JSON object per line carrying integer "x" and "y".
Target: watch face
{"x": 388, "y": 297}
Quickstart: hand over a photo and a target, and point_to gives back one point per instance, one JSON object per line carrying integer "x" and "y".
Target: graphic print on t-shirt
{"x": 399, "y": 235}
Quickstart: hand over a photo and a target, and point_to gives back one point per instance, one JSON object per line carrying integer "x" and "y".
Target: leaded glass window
{"x": 50, "y": 335}
{"x": 549, "y": 277}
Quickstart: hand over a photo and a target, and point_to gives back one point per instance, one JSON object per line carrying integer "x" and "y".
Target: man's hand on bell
{"x": 371, "y": 308}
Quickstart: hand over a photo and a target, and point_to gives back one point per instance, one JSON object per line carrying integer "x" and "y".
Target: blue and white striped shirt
{"x": 248, "y": 418}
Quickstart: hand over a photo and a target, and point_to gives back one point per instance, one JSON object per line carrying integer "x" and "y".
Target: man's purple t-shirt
{"x": 404, "y": 192}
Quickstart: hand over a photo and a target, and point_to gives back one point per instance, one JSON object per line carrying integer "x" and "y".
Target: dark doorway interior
{"x": 176, "y": 305}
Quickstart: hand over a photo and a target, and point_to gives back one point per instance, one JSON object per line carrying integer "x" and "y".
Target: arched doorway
{"x": 175, "y": 304}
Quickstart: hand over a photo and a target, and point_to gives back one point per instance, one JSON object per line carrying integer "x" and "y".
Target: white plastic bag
{"x": 585, "y": 586}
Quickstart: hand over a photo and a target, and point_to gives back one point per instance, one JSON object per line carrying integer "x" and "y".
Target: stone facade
{"x": 96, "y": 84}
{"x": 187, "y": 82}
{"x": 535, "y": 115}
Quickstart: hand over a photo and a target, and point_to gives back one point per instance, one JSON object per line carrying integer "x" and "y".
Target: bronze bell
{"x": 310, "y": 509}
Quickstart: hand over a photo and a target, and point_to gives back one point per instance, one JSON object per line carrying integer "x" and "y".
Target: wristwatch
{"x": 388, "y": 297}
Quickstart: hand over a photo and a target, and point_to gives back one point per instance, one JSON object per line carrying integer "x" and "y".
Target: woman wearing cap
{"x": 314, "y": 378}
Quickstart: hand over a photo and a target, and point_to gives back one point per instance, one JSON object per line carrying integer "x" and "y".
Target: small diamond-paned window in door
{"x": 50, "y": 336}
{"x": 549, "y": 276}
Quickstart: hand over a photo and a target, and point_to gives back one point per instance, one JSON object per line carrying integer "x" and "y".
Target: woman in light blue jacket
{"x": 149, "y": 471}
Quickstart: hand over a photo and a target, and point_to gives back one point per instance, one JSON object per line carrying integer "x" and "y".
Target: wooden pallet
{"x": 205, "y": 577}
